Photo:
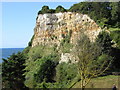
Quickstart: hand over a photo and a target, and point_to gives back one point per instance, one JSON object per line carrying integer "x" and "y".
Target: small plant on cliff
{"x": 45, "y": 9}
{"x": 65, "y": 43}
{"x": 60, "y": 9}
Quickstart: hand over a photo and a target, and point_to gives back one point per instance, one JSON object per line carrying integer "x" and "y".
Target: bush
{"x": 66, "y": 72}
{"x": 13, "y": 70}
{"x": 105, "y": 41}
{"x": 65, "y": 43}
{"x": 35, "y": 55}
{"x": 115, "y": 35}
{"x": 45, "y": 70}
{"x": 45, "y": 9}
{"x": 60, "y": 9}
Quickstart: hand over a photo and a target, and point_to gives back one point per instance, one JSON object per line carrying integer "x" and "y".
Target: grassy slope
{"x": 102, "y": 82}
{"x": 114, "y": 29}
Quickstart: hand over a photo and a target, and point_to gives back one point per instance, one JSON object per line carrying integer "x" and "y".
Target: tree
{"x": 66, "y": 72}
{"x": 51, "y": 11}
{"x": 86, "y": 53}
{"x": 60, "y": 9}
{"x": 45, "y": 70}
{"x": 105, "y": 41}
{"x": 12, "y": 71}
{"x": 114, "y": 10}
{"x": 45, "y": 9}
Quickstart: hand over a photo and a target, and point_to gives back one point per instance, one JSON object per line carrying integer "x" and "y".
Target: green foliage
{"x": 66, "y": 47}
{"x": 102, "y": 22}
{"x": 30, "y": 43}
{"x": 13, "y": 70}
{"x": 115, "y": 6}
{"x": 41, "y": 60}
{"x": 45, "y": 70}
{"x": 89, "y": 66}
{"x": 35, "y": 56}
{"x": 45, "y": 9}
{"x": 105, "y": 41}
{"x": 45, "y": 85}
{"x": 101, "y": 82}
{"x": 116, "y": 60}
{"x": 115, "y": 35}
{"x": 104, "y": 58}
{"x": 65, "y": 73}
{"x": 105, "y": 12}
{"x": 26, "y": 51}
{"x": 60, "y": 9}
{"x": 65, "y": 43}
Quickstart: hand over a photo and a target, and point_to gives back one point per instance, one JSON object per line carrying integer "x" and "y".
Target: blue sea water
{"x": 6, "y": 52}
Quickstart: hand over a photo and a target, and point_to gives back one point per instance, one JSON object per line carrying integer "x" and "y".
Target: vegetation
{"x": 66, "y": 72}
{"x": 102, "y": 82}
{"x": 45, "y": 9}
{"x": 65, "y": 43}
{"x": 13, "y": 70}
{"x": 30, "y": 43}
{"x": 89, "y": 66}
{"x": 39, "y": 67}
{"x": 60, "y": 9}
{"x": 104, "y": 13}
{"x": 110, "y": 47}
{"x": 105, "y": 41}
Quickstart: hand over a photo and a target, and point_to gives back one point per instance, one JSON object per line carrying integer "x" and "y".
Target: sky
{"x": 18, "y": 21}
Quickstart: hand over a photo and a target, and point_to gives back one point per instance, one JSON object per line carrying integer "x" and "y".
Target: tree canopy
{"x": 13, "y": 70}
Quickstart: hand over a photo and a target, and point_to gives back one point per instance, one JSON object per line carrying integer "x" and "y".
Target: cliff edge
{"x": 52, "y": 28}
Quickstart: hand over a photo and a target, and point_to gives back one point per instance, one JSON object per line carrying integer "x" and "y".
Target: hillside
{"x": 102, "y": 82}
{"x": 69, "y": 49}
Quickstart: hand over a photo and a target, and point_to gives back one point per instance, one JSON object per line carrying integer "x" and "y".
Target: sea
{"x": 6, "y": 52}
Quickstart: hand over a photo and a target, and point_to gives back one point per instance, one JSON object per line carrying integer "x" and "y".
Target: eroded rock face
{"x": 52, "y": 28}
{"x": 67, "y": 57}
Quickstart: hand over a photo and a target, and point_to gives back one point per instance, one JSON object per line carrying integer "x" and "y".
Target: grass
{"x": 114, "y": 29}
{"x": 102, "y": 82}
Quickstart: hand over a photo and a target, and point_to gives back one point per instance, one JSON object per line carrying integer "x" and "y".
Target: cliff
{"x": 52, "y": 28}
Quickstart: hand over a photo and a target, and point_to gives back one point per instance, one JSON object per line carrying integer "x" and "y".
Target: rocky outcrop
{"x": 67, "y": 57}
{"x": 52, "y": 28}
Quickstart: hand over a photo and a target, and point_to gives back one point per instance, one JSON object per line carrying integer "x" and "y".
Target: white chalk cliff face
{"x": 52, "y": 28}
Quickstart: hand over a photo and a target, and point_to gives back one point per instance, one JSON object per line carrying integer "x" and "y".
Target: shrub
{"x": 13, "y": 70}
{"x": 45, "y": 70}
{"x": 105, "y": 41}
{"x": 66, "y": 72}
{"x": 35, "y": 55}
{"x": 60, "y": 9}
